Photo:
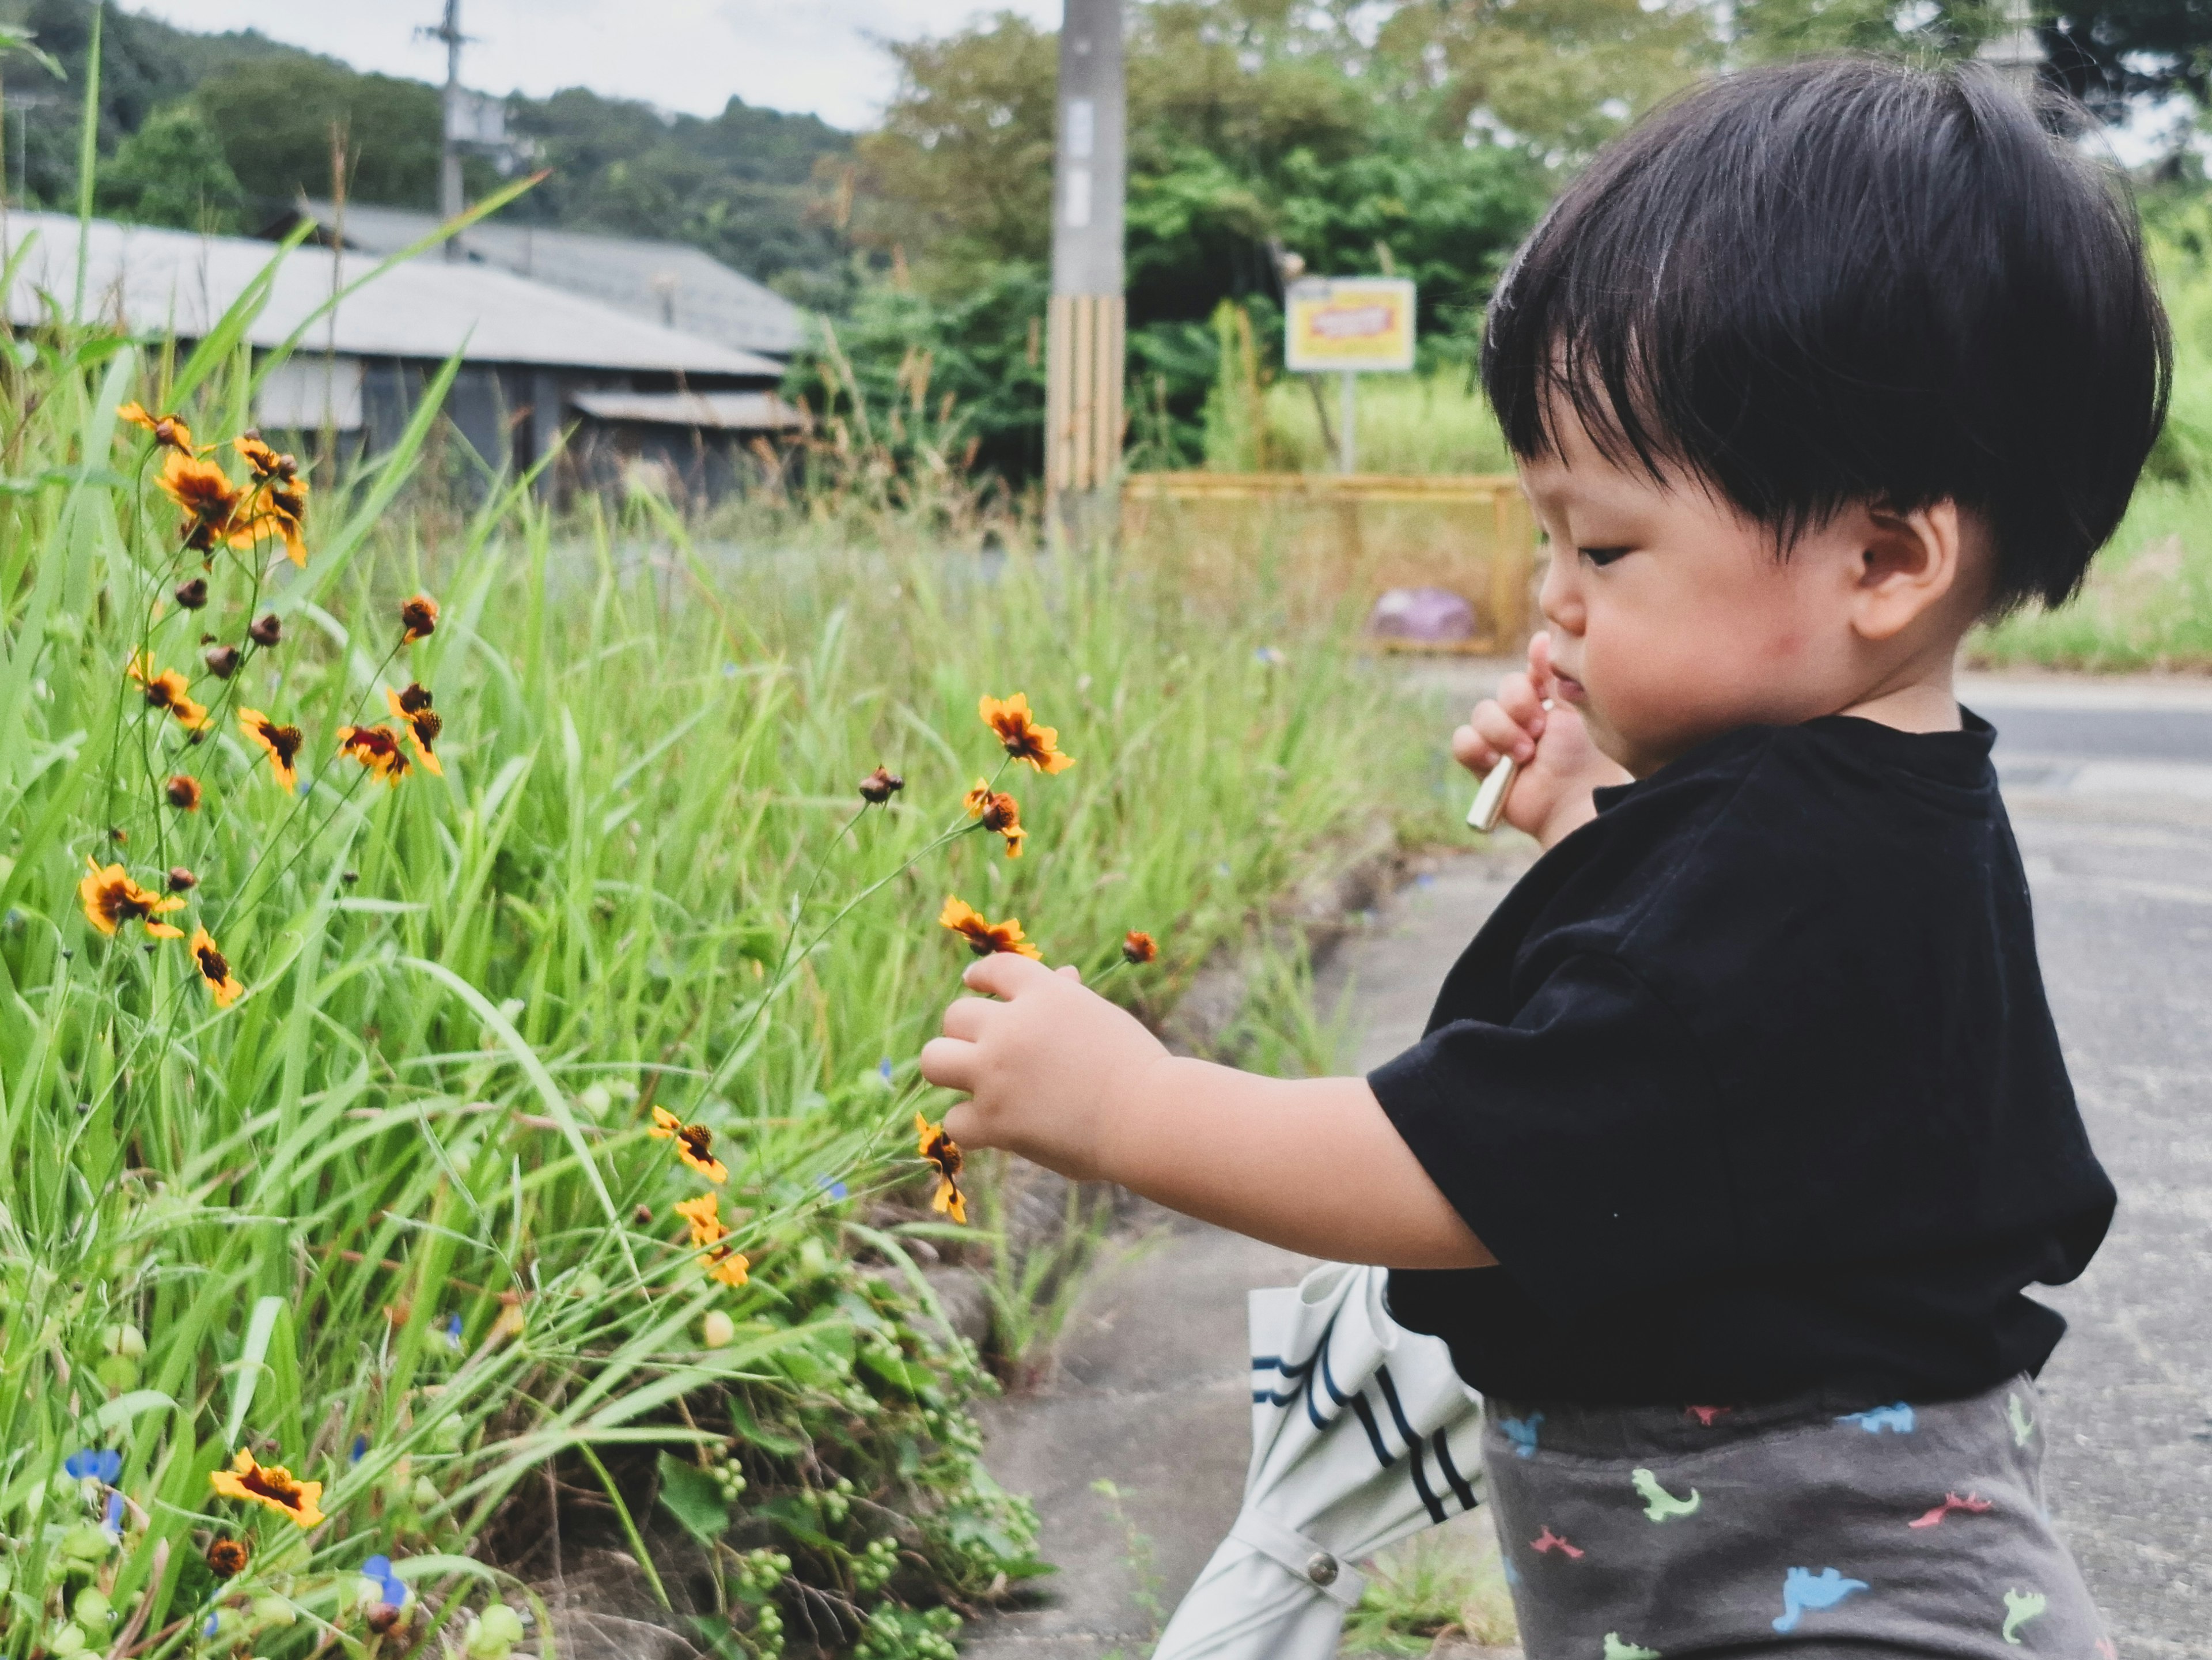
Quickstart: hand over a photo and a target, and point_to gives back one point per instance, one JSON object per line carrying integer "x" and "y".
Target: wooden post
{"x": 1085, "y": 328}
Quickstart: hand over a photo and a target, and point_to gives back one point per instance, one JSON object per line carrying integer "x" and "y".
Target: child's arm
{"x": 1057, "y": 1073}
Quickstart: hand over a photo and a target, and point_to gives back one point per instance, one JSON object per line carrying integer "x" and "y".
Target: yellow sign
{"x": 1348, "y": 323}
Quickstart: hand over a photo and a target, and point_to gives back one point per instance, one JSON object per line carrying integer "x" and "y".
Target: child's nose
{"x": 1560, "y": 598}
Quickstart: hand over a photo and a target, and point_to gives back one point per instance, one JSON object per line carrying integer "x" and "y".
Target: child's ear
{"x": 1909, "y": 563}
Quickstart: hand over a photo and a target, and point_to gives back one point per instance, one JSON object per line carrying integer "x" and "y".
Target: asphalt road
{"x": 2113, "y": 808}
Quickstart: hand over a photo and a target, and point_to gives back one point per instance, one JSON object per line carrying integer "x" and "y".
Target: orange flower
{"x": 168, "y": 690}
{"x": 272, "y": 1486}
{"x": 183, "y": 790}
{"x": 169, "y": 431}
{"x": 419, "y": 617}
{"x": 1024, "y": 739}
{"x": 1000, "y": 813}
{"x": 730, "y": 1267}
{"x": 984, "y": 938}
{"x": 272, "y": 521}
{"x": 376, "y": 748}
{"x": 283, "y": 744}
{"x": 205, "y": 492}
{"x": 423, "y": 724}
{"x": 693, "y": 1144}
{"x": 1138, "y": 948}
{"x": 215, "y": 968}
{"x": 265, "y": 461}
{"x": 942, "y": 1151}
{"x": 111, "y": 898}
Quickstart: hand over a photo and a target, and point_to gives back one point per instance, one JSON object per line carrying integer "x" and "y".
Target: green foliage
{"x": 2147, "y": 602}
{"x": 171, "y": 172}
{"x": 958, "y": 379}
{"x": 1447, "y": 1582}
{"x": 275, "y": 126}
{"x": 1792, "y": 28}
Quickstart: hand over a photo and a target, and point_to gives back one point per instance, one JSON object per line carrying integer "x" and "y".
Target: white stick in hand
{"x": 1490, "y": 799}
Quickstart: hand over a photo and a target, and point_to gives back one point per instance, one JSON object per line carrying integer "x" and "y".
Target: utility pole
{"x": 449, "y": 150}
{"x": 2015, "y": 52}
{"x": 1086, "y": 325}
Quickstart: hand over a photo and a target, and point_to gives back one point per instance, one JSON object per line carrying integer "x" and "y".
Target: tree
{"x": 275, "y": 129}
{"x": 171, "y": 172}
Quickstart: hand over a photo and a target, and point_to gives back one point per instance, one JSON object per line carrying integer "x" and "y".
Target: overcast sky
{"x": 817, "y": 55}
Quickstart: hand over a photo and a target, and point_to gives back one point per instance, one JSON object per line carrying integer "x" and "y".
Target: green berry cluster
{"x": 872, "y": 1570}
{"x": 896, "y": 1633}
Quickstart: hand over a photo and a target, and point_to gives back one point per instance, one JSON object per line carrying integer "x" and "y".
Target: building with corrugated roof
{"x": 671, "y": 284}
{"x": 535, "y": 356}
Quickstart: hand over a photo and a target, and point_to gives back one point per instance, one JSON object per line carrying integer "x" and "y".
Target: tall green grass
{"x": 394, "y": 1219}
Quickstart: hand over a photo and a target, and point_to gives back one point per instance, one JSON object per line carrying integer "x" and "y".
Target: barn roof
{"x": 671, "y": 284}
{"x": 153, "y": 282}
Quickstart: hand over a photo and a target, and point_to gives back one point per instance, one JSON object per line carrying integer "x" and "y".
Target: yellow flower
{"x": 215, "y": 968}
{"x": 282, "y": 496}
{"x": 168, "y": 431}
{"x": 419, "y": 617}
{"x": 283, "y": 744}
{"x": 1023, "y": 739}
{"x": 984, "y": 938}
{"x": 111, "y": 898}
{"x": 1000, "y": 813}
{"x": 694, "y": 1144}
{"x": 423, "y": 724}
{"x": 272, "y": 1486}
{"x": 702, "y": 1214}
{"x": 943, "y": 1152}
{"x": 376, "y": 748}
{"x": 168, "y": 690}
{"x": 728, "y": 1266}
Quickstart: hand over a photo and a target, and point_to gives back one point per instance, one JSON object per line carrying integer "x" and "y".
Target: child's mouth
{"x": 1569, "y": 688}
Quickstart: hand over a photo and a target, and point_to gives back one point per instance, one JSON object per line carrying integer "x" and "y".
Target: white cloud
{"x": 821, "y": 56}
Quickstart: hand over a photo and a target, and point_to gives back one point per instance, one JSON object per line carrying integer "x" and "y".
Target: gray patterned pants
{"x": 1820, "y": 1529}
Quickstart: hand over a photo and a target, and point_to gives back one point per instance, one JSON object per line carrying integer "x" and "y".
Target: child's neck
{"x": 1918, "y": 697}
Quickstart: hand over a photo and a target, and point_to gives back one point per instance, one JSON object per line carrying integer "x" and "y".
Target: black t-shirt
{"x": 1751, "y": 1087}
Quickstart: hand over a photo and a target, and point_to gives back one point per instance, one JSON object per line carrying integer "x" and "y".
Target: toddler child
{"x": 1739, "y": 1129}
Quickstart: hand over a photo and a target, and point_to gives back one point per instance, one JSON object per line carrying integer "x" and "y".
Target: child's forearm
{"x": 1311, "y": 1164}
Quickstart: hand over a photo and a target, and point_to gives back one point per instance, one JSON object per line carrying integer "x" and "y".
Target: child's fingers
{"x": 966, "y": 1017}
{"x": 1003, "y": 973}
{"x": 949, "y": 1063}
{"x": 1522, "y": 701}
{"x": 1540, "y": 661}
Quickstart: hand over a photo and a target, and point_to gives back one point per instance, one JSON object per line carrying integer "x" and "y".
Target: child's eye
{"x": 1601, "y": 556}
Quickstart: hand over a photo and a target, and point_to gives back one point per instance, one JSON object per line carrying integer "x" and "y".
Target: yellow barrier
{"x": 1349, "y": 536}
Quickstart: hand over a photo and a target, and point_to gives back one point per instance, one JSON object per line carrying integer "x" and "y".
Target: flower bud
{"x": 193, "y": 595}
{"x": 266, "y": 629}
{"x": 221, "y": 661}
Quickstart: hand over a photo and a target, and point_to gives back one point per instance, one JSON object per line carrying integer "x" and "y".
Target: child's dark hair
{"x": 1850, "y": 281}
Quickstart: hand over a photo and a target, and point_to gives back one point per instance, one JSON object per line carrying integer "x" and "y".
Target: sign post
{"x": 1349, "y": 326}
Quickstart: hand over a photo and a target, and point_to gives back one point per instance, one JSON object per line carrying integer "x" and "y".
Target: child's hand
{"x": 1043, "y": 1068}
{"x": 1560, "y": 765}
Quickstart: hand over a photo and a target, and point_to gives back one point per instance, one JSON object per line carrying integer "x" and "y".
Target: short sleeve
{"x": 1581, "y": 1142}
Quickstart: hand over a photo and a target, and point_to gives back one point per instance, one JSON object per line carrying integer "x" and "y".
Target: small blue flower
{"x": 830, "y": 1185}
{"x": 359, "y": 1448}
{"x": 884, "y": 1069}
{"x": 87, "y": 1464}
{"x": 208, "y": 1629}
{"x": 390, "y": 1587}
{"x": 113, "y": 1522}
{"x": 1267, "y": 655}
{"x": 451, "y": 1327}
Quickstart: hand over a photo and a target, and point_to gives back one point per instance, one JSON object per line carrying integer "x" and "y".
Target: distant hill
{"x": 742, "y": 185}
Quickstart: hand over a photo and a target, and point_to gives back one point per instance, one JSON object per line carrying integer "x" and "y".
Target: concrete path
{"x": 2110, "y": 789}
